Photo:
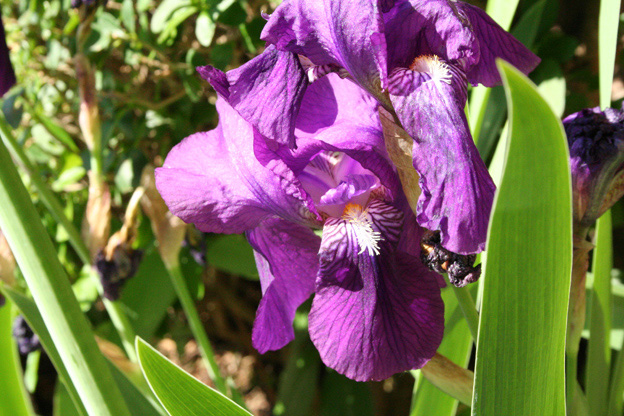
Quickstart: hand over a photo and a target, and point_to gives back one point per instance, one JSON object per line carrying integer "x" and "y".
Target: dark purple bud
{"x": 116, "y": 271}
{"x": 27, "y": 340}
{"x": 596, "y": 141}
{"x": 2, "y": 300}
{"x": 460, "y": 268}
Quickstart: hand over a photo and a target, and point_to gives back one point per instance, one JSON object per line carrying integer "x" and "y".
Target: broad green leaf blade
{"x": 49, "y": 284}
{"x": 15, "y": 400}
{"x": 178, "y": 392}
{"x": 599, "y": 348}
{"x": 609, "y": 19}
{"x": 137, "y": 403}
{"x": 456, "y": 346}
{"x": 521, "y": 345}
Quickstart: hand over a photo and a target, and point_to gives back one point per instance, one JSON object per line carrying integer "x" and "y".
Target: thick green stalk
{"x": 117, "y": 315}
{"x": 599, "y": 344}
{"x": 469, "y": 309}
{"x": 54, "y": 297}
{"x": 197, "y": 327}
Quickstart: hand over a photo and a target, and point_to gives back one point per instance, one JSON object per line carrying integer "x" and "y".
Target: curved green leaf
{"x": 178, "y": 392}
{"x": 521, "y": 345}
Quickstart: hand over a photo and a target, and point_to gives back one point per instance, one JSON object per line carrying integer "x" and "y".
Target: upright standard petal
{"x": 266, "y": 91}
{"x": 494, "y": 42}
{"x": 422, "y": 27}
{"x": 214, "y": 180}
{"x": 343, "y": 33}
{"x": 373, "y": 315}
{"x": 457, "y": 191}
{"x": 286, "y": 255}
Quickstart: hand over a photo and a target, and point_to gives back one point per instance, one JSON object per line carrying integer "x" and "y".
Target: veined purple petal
{"x": 345, "y": 33}
{"x": 286, "y": 255}
{"x": 213, "y": 180}
{"x": 266, "y": 91}
{"x": 457, "y": 191}
{"x": 373, "y": 316}
{"x": 7, "y": 75}
{"x": 494, "y": 42}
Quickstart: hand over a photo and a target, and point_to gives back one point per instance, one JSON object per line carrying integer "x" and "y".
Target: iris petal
{"x": 457, "y": 191}
{"x": 373, "y": 316}
{"x": 273, "y": 77}
{"x": 286, "y": 255}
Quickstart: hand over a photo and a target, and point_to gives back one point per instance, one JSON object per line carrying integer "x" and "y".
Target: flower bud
{"x": 596, "y": 141}
{"x": 118, "y": 261}
{"x": 168, "y": 229}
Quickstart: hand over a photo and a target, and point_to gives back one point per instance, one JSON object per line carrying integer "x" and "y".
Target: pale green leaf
{"x": 178, "y": 392}
{"x": 609, "y": 19}
{"x": 520, "y": 350}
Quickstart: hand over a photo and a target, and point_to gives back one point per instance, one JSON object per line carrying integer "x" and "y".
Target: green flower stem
{"x": 117, "y": 315}
{"x": 469, "y": 309}
{"x": 54, "y": 297}
{"x": 576, "y": 312}
{"x": 197, "y": 326}
{"x": 599, "y": 345}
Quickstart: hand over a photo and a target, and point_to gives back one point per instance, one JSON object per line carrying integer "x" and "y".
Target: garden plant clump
{"x": 311, "y": 207}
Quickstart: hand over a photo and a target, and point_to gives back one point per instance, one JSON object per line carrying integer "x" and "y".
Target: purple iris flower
{"x": 596, "y": 141}
{"x": 416, "y": 58}
{"x": 7, "y": 76}
{"x": 328, "y": 218}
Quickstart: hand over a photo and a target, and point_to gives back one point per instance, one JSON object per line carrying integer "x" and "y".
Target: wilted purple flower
{"x": 27, "y": 341}
{"x": 328, "y": 218}
{"x": 115, "y": 271}
{"x": 415, "y": 57}
{"x": 596, "y": 141}
{"x": 7, "y": 75}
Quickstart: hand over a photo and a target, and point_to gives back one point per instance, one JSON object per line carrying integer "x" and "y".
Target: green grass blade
{"x": 15, "y": 400}
{"x": 30, "y": 312}
{"x": 138, "y": 404}
{"x": 521, "y": 345}
{"x": 179, "y": 393}
{"x": 52, "y": 292}
{"x": 608, "y": 21}
{"x": 599, "y": 348}
{"x": 456, "y": 346}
